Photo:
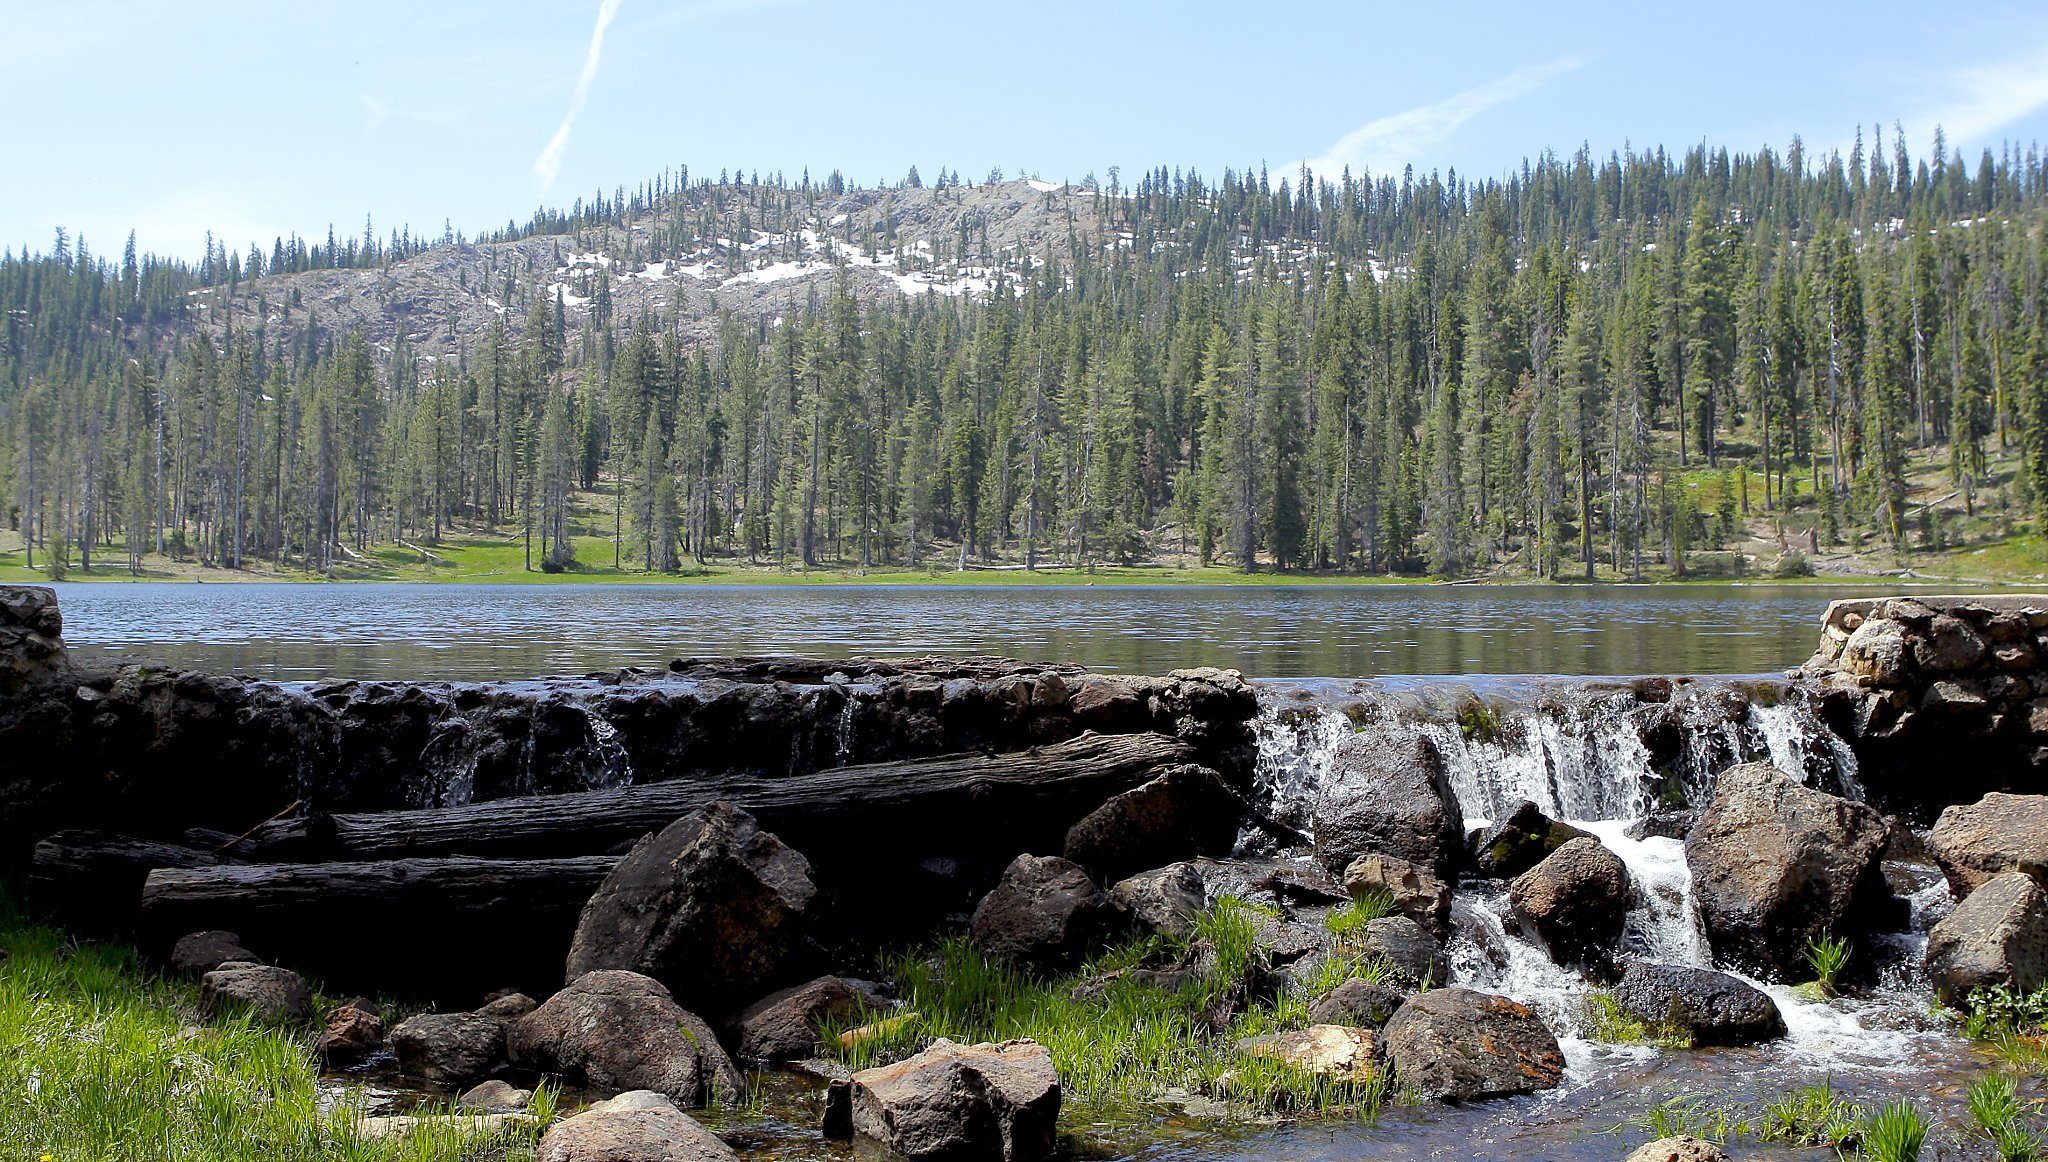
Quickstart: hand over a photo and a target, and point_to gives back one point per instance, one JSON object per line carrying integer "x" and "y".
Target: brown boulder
{"x": 1187, "y": 811}
{"x": 961, "y": 1102}
{"x": 1575, "y": 900}
{"x": 639, "y": 1126}
{"x": 353, "y": 1031}
{"x": 1459, "y": 1045}
{"x": 783, "y": 1025}
{"x": 1164, "y": 901}
{"x": 1974, "y": 842}
{"x": 620, "y": 1030}
{"x": 1046, "y": 913}
{"x": 1996, "y": 937}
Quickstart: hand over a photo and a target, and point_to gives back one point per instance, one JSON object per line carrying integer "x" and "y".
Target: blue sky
{"x": 255, "y": 119}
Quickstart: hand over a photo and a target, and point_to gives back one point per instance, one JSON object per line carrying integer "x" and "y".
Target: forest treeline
{"x": 1374, "y": 375}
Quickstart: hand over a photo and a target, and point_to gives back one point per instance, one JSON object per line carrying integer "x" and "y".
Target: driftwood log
{"x": 92, "y": 880}
{"x": 435, "y": 927}
{"x": 1030, "y": 796}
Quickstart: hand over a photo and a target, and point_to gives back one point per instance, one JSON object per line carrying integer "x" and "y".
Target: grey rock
{"x": 1187, "y": 811}
{"x": 1519, "y": 842}
{"x": 1996, "y": 936}
{"x": 620, "y": 1030}
{"x": 1576, "y": 900}
{"x": 199, "y": 953}
{"x": 640, "y": 1126}
{"x": 266, "y": 992}
{"x": 1415, "y": 953}
{"x": 1384, "y": 796}
{"x": 1418, "y": 893}
{"x": 987, "y": 1101}
{"x": 1975, "y": 842}
{"x": 508, "y": 1006}
{"x": 1165, "y": 901}
{"x": 1775, "y": 864}
{"x": 452, "y": 1049}
{"x": 1947, "y": 646}
{"x": 494, "y": 1096}
{"x": 1046, "y": 913}
{"x": 1716, "y": 1008}
{"x": 1665, "y": 825}
{"x": 1879, "y": 651}
{"x": 1357, "y": 1002}
{"x": 1460, "y": 1045}
{"x": 713, "y": 907}
{"x": 784, "y": 1025}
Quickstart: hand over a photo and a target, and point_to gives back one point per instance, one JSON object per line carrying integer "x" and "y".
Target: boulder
{"x": 1575, "y": 900}
{"x": 1714, "y": 1007}
{"x": 452, "y": 1049}
{"x": 1417, "y": 956}
{"x": 266, "y": 992}
{"x": 987, "y": 1101}
{"x": 1418, "y": 893}
{"x": 1384, "y": 795}
{"x": 1357, "y": 1002}
{"x": 1683, "y": 1148}
{"x": 1879, "y": 651}
{"x": 508, "y": 1005}
{"x": 31, "y": 634}
{"x": 1459, "y": 1045}
{"x": 1519, "y": 842}
{"x": 495, "y": 1097}
{"x": 353, "y": 1031}
{"x": 199, "y": 953}
{"x": 783, "y": 1025}
{"x": 712, "y": 906}
{"x": 1998, "y": 935}
{"x": 1775, "y": 864}
{"x": 1949, "y": 645}
{"x": 620, "y": 1030}
{"x": 639, "y": 1126}
{"x": 1666, "y": 825}
{"x": 1344, "y": 1053}
{"x": 1187, "y": 811}
{"x": 1165, "y": 901}
{"x": 1046, "y": 913}
{"x": 1974, "y": 842}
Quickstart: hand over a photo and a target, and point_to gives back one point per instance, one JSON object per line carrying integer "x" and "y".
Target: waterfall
{"x": 616, "y": 764}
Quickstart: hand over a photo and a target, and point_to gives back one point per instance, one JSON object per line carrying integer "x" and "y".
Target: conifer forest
{"x": 1593, "y": 367}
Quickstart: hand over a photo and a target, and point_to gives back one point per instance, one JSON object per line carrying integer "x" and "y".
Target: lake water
{"x": 515, "y": 631}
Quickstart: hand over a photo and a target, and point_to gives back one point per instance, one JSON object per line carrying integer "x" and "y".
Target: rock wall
{"x": 1943, "y": 698}
{"x": 151, "y": 752}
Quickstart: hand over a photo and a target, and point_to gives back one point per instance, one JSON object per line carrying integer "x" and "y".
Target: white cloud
{"x": 549, "y": 163}
{"x": 1975, "y": 102}
{"x": 1387, "y": 144}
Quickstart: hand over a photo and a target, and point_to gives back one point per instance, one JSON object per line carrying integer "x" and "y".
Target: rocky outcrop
{"x": 31, "y": 636}
{"x": 638, "y": 1126}
{"x": 1164, "y": 901}
{"x": 452, "y": 1049}
{"x": 1417, "y": 892}
{"x": 1712, "y": 1007}
{"x": 1996, "y": 936}
{"x": 1384, "y": 796}
{"x": 1976, "y": 842}
{"x": 1775, "y": 864}
{"x": 263, "y": 991}
{"x": 712, "y": 907}
{"x": 1045, "y": 913}
{"x": 1187, "y": 811}
{"x": 622, "y": 1031}
{"x": 997, "y": 1102}
{"x": 1519, "y": 842}
{"x": 1575, "y": 900}
{"x": 1954, "y": 683}
{"x": 1460, "y": 1045}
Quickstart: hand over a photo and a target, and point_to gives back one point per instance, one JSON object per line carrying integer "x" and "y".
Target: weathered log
{"x": 91, "y": 880}
{"x": 1020, "y": 793}
{"x": 450, "y": 927}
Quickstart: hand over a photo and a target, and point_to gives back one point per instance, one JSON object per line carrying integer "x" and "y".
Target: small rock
{"x": 1879, "y": 651}
{"x": 1417, "y": 956}
{"x": 1576, "y": 900}
{"x": 1418, "y": 892}
{"x": 1357, "y": 1002}
{"x": 961, "y": 1102}
{"x": 1680, "y": 1149}
{"x": 620, "y": 1030}
{"x": 1460, "y": 1045}
{"x": 1974, "y": 842}
{"x": 1998, "y": 935}
{"x": 495, "y": 1096}
{"x": 199, "y": 953}
{"x": 1345, "y": 1053}
{"x": 1045, "y": 913}
{"x": 398, "y": 1127}
{"x": 1519, "y": 842}
{"x": 784, "y": 1024}
{"x": 1667, "y": 825}
{"x": 1948, "y": 646}
{"x": 1187, "y": 811}
{"x": 638, "y": 1126}
{"x": 1286, "y": 941}
{"x": 449, "y": 1048}
{"x": 354, "y": 1031}
{"x": 1165, "y": 901}
{"x": 1714, "y": 1007}
{"x": 508, "y": 1006}
{"x": 270, "y": 994}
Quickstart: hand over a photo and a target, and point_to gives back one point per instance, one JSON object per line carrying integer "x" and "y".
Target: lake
{"x": 298, "y": 632}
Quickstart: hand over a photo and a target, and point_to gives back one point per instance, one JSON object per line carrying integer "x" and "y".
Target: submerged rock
{"x": 1714, "y": 1007}
{"x": 1775, "y": 864}
{"x": 620, "y": 1030}
{"x": 1997, "y": 834}
{"x": 713, "y": 907}
{"x": 952, "y": 1101}
{"x": 1046, "y": 913}
{"x": 1384, "y": 796}
{"x": 638, "y": 1126}
{"x": 1576, "y": 900}
{"x": 1996, "y": 936}
{"x": 1460, "y": 1045}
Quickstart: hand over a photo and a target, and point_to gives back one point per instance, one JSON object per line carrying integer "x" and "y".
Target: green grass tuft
{"x": 1812, "y": 1116}
{"x": 1607, "y": 1021}
{"x": 1895, "y": 1133}
{"x": 1827, "y": 956}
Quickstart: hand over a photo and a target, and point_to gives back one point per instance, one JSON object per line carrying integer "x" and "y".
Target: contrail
{"x": 549, "y": 163}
